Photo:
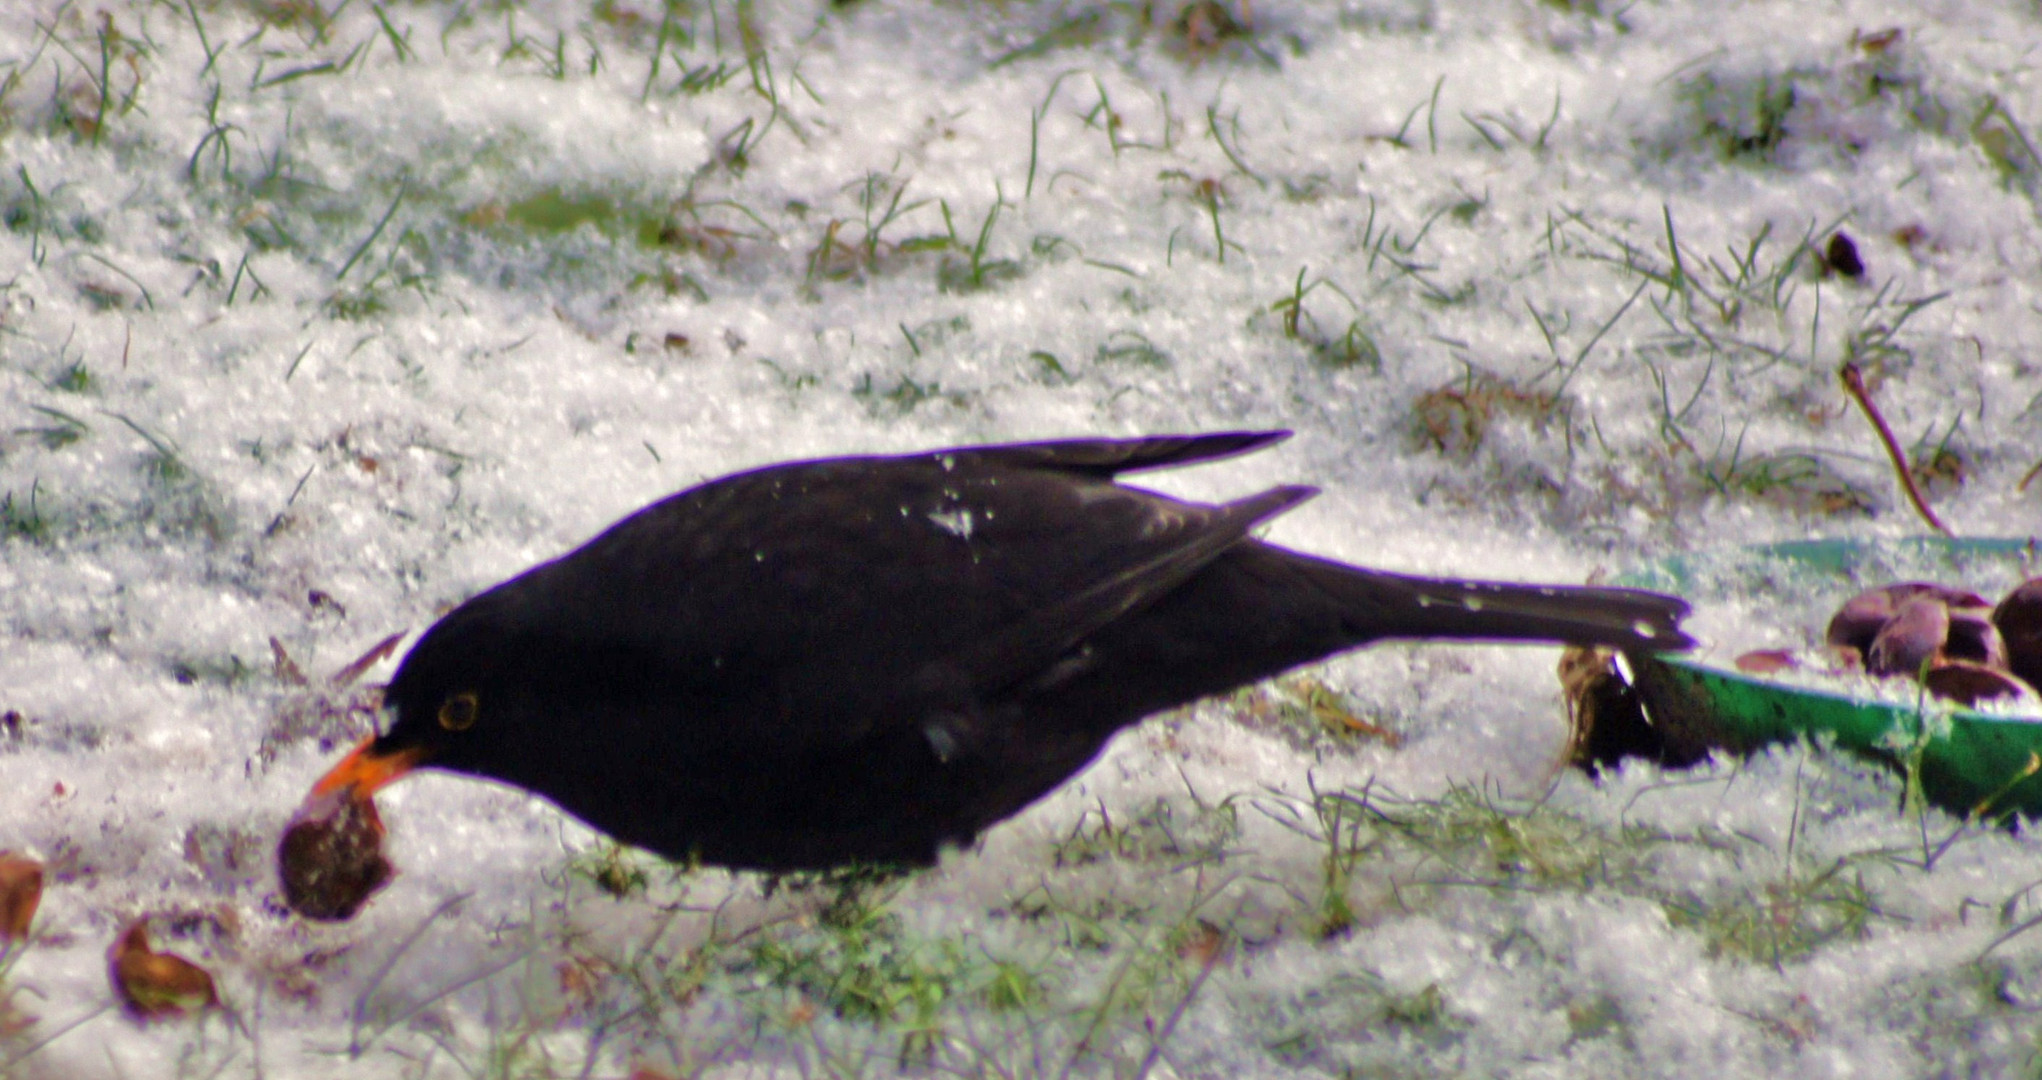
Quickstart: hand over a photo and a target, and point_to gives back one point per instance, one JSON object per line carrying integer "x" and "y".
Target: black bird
{"x": 864, "y": 659}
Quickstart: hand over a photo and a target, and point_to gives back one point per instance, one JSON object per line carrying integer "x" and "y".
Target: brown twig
{"x": 2028, "y": 478}
{"x": 1854, "y": 384}
{"x": 376, "y": 654}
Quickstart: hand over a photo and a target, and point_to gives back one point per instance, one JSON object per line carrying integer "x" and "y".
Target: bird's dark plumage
{"x": 867, "y": 658}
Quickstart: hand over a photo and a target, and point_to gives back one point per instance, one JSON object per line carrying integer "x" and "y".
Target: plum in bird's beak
{"x": 330, "y": 858}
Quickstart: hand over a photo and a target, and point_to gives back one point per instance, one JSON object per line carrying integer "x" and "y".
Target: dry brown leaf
{"x": 21, "y": 891}
{"x": 155, "y": 985}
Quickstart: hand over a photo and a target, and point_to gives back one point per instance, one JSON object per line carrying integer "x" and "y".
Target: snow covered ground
{"x": 316, "y": 318}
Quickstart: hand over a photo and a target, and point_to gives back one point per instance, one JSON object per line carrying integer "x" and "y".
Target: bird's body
{"x": 865, "y": 659}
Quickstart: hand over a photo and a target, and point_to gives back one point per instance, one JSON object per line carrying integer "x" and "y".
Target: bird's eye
{"x": 458, "y": 713}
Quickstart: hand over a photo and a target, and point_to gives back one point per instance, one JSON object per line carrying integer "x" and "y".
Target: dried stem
{"x": 1854, "y": 384}
{"x": 377, "y": 653}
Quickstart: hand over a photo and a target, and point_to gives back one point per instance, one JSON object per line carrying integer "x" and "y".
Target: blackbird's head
{"x": 457, "y": 702}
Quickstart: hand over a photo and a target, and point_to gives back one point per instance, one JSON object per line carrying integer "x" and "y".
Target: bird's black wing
{"x": 1024, "y": 648}
{"x": 812, "y": 605}
{"x": 1107, "y": 458}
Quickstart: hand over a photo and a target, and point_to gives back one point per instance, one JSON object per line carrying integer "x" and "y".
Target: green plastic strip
{"x": 1967, "y": 762}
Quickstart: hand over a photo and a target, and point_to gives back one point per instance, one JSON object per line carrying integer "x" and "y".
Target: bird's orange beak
{"x": 367, "y": 771}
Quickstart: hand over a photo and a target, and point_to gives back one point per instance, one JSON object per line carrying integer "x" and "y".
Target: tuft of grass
{"x": 1875, "y": 343}
{"x": 1350, "y": 348}
{"x": 1455, "y": 419}
{"x": 904, "y": 396}
{"x": 1208, "y": 194}
{"x": 112, "y": 67}
{"x": 868, "y": 969}
{"x": 1307, "y": 712}
{"x": 1077, "y": 30}
{"x": 1597, "y": 1016}
{"x": 1940, "y": 467}
{"x": 1010, "y": 986}
{"x": 1781, "y": 921}
{"x": 969, "y": 269}
{"x": 1357, "y": 1024}
{"x": 1744, "y": 117}
{"x": 879, "y": 197}
{"x": 60, "y": 430}
{"x": 1488, "y": 124}
{"x": 1791, "y": 480}
{"x": 1723, "y": 319}
{"x": 1131, "y": 347}
{"x": 1477, "y": 835}
{"x": 619, "y": 872}
{"x": 1340, "y": 822}
{"x": 162, "y": 463}
{"x": 227, "y": 670}
{"x": 2006, "y": 143}
{"x": 1161, "y": 831}
{"x": 1192, "y": 31}
{"x": 1204, "y": 28}
{"x": 860, "y": 963}
{"x": 1353, "y": 347}
{"x": 554, "y": 211}
{"x": 1743, "y": 280}
{"x": 21, "y": 517}
{"x": 74, "y": 378}
{"x": 29, "y": 213}
{"x": 1472, "y": 838}
{"x": 1083, "y": 924}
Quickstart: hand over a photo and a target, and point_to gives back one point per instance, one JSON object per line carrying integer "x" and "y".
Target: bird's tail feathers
{"x": 1500, "y": 611}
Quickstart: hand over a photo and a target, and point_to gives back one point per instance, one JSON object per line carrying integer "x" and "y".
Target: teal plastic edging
{"x": 1966, "y": 761}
